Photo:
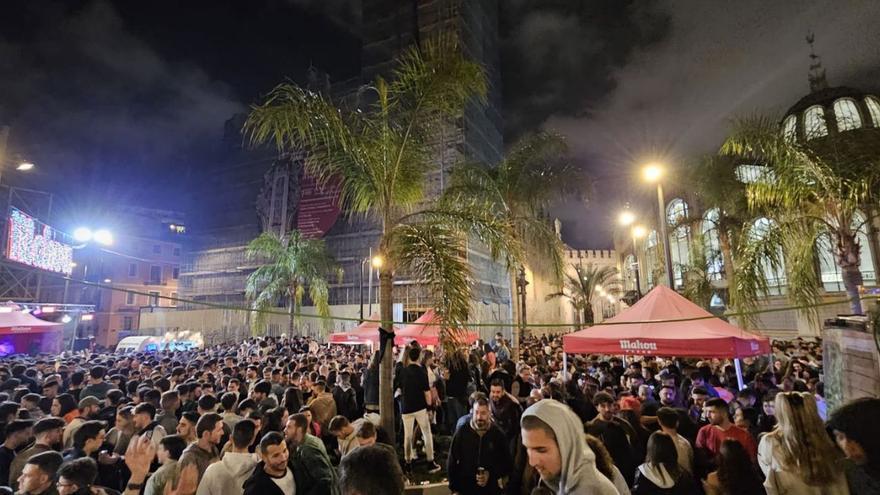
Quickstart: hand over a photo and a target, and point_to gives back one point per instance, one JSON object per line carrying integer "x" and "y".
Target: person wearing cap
{"x": 48, "y": 433}
{"x": 89, "y": 407}
{"x": 17, "y": 434}
{"x": 38, "y": 475}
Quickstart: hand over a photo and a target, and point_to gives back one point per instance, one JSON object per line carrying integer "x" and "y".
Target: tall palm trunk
{"x": 386, "y": 390}
{"x": 727, "y": 263}
{"x": 848, "y": 259}
{"x": 290, "y": 317}
{"x": 588, "y": 314}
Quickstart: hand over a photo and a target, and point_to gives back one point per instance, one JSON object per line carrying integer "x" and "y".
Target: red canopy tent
{"x": 644, "y": 329}
{"x": 365, "y": 333}
{"x": 23, "y": 333}
{"x": 426, "y": 331}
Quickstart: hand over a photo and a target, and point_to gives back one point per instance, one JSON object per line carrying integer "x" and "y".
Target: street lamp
{"x": 375, "y": 262}
{"x": 85, "y": 234}
{"x": 24, "y": 166}
{"x": 653, "y": 172}
{"x": 626, "y": 218}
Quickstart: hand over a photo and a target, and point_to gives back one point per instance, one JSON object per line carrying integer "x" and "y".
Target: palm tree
{"x": 292, "y": 263}
{"x": 812, "y": 189}
{"x": 721, "y": 193}
{"x": 381, "y": 155}
{"x": 534, "y": 173}
{"x": 580, "y": 287}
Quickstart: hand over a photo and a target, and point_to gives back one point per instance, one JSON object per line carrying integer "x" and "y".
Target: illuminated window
{"x": 847, "y": 114}
{"x": 775, "y": 276}
{"x": 712, "y": 242}
{"x": 814, "y": 122}
{"x": 832, "y": 278}
{"x": 873, "y": 109}
{"x": 789, "y": 128}
{"x": 679, "y": 239}
{"x": 629, "y": 272}
{"x": 749, "y": 174}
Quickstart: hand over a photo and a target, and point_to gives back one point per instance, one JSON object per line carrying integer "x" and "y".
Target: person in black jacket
{"x": 612, "y": 431}
{"x": 479, "y": 455}
{"x": 271, "y": 476}
{"x": 345, "y": 397}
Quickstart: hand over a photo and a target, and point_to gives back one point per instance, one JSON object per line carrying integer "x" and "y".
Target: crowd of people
{"x": 292, "y": 416}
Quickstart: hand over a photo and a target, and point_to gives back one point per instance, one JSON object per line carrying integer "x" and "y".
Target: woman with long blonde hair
{"x": 798, "y": 456}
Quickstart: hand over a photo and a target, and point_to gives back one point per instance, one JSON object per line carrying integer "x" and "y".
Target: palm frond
{"x": 434, "y": 254}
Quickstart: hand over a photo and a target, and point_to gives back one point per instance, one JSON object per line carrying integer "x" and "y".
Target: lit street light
{"x": 85, "y": 234}
{"x": 653, "y": 173}
{"x": 626, "y": 218}
{"x": 104, "y": 237}
{"x": 24, "y": 166}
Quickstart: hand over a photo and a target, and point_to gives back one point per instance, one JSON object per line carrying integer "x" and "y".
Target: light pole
{"x": 375, "y": 262}
{"x": 637, "y": 233}
{"x": 653, "y": 173}
{"x": 626, "y": 219}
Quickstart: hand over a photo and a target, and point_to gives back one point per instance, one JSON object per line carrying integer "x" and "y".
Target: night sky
{"x": 125, "y": 101}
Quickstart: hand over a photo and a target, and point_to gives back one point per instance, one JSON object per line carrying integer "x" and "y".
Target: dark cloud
{"x": 97, "y": 108}
{"x": 557, "y": 55}
{"x": 674, "y": 99}
{"x": 344, "y": 13}
{"x": 126, "y": 101}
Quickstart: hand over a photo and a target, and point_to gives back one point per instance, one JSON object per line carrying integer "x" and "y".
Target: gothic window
{"x": 847, "y": 114}
{"x": 789, "y": 128}
{"x": 832, "y": 278}
{"x": 712, "y": 242}
{"x": 679, "y": 239}
{"x": 814, "y": 122}
{"x": 629, "y": 272}
{"x": 775, "y": 276}
{"x": 873, "y": 109}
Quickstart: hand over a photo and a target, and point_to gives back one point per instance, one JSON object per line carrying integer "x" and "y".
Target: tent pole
{"x": 564, "y": 367}
{"x": 739, "y": 373}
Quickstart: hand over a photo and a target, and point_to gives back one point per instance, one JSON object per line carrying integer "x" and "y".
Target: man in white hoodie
{"x": 227, "y": 477}
{"x": 553, "y": 436}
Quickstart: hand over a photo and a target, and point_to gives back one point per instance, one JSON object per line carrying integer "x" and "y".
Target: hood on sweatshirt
{"x": 657, "y": 474}
{"x": 240, "y": 466}
{"x": 579, "y": 474}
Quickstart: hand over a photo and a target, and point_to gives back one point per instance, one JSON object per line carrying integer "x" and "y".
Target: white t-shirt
{"x": 286, "y": 483}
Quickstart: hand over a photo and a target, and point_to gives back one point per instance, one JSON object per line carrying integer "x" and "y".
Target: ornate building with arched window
{"x": 824, "y": 113}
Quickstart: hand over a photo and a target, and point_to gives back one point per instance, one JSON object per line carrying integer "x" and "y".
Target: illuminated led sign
{"x": 35, "y": 244}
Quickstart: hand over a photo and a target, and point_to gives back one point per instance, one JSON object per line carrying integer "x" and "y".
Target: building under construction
{"x": 255, "y": 190}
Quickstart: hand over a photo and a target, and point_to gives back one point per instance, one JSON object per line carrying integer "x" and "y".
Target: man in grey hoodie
{"x": 227, "y": 477}
{"x": 553, "y": 437}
